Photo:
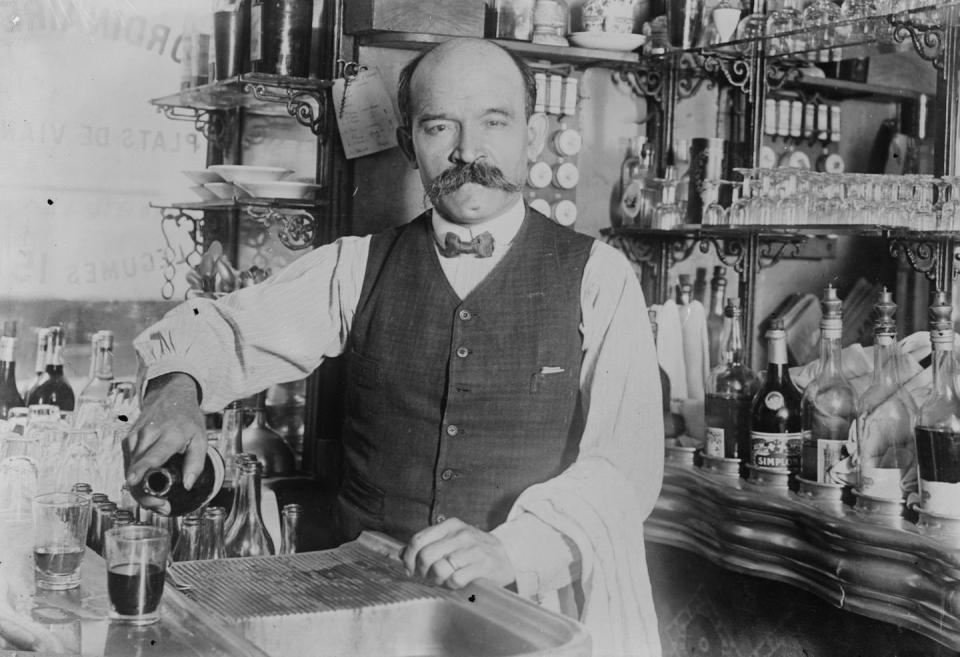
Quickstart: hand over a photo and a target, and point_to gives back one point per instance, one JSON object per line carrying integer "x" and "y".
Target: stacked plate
{"x": 238, "y": 181}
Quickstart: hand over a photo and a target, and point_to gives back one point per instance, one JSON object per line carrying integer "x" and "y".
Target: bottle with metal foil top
{"x": 247, "y": 536}
{"x": 775, "y": 423}
{"x": 290, "y": 528}
{"x": 716, "y": 321}
{"x": 166, "y": 482}
{"x": 187, "y": 547}
{"x": 731, "y": 387}
{"x": 938, "y": 423}
{"x": 9, "y": 394}
{"x": 829, "y": 404}
{"x": 211, "y": 533}
{"x": 886, "y": 448}
{"x": 55, "y": 389}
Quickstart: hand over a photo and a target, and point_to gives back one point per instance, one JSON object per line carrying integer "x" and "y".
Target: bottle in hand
{"x": 775, "y": 424}
{"x": 166, "y": 482}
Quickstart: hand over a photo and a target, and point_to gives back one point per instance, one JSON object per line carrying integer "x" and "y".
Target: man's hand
{"x": 453, "y": 554}
{"x": 170, "y": 422}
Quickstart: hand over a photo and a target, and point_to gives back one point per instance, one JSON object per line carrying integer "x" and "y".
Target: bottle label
{"x": 7, "y": 345}
{"x": 880, "y": 482}
{"x": 714, "y": 442}
{"x": 256, "y": 27}
{"x": 940, "y": 497}
{"x": 825, "y": 454}
{"x": 775, "y": 450}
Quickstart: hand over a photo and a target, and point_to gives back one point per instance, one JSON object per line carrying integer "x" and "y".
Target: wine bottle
{"x": 938, "y": 424}
{"x": 40, "y": 367}
{"x": 715, "y": 318}
{"x": 776, "y": 428}
{"x": 55, "y": 389}
{"x": 731, "y": 388}
{"x": 166, "y": 482}
{"x": 829, "y": 404}
{"x": 247, "y": 536}
{"x": 886, "y": 448}
{"x": 9, "y": 394}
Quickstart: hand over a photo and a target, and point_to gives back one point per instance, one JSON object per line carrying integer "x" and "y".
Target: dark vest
{"x": 450, "y": 411}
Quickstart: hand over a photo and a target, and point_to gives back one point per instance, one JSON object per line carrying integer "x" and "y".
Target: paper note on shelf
{"x": 366, "y": 119}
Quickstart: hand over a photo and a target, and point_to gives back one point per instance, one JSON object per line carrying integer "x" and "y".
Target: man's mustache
{"x": 478, "y": 172}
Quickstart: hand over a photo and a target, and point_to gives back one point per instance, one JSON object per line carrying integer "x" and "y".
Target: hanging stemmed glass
{"x": 859, "y": 16}
{"x": 784, "y": 20}
{"x": 821, "y": 14}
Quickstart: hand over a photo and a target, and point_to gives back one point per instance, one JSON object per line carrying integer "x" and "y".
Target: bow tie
{"x": 481, "y": 245}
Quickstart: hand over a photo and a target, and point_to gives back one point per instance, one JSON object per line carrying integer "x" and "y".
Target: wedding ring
{"x": 450, "y": 561}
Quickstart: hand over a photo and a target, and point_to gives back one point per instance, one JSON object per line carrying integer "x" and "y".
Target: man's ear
{"x": 536, "y": 134}
{"x": 405, "y": 141}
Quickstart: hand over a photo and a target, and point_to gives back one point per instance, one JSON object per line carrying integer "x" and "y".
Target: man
{"x": 503, "y": 405}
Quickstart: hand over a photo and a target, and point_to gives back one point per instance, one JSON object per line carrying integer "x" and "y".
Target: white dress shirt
{"x": 281, "y": 329}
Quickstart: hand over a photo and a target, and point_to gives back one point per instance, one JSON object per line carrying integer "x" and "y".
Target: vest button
{"x": 452, "y": 430}
{"x": 462, "y": 352}
{"x": 447, "y": 474}
{"x": 440, "y": 518}
{"x": 465, "y": 315}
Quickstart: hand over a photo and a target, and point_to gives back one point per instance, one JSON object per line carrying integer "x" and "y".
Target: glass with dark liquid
{"x": 136, "y": 565}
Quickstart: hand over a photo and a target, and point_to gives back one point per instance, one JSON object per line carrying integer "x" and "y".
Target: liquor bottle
{"x": 92, "y": 403}
{"x": 886, "y": 448}
{"x": 40, "y": 367}
{"x": 731, "y": 388}
{"x": 829, "y": 402}
{"x": 776, "y": 428}
{"x": 290, "y": 528}
{"x": 166, "y": 482}
{"x": 211, "y": 533}
{"x": 715, "y": 318}
{"x": 247, "y": 536}
{"x": 938, "y": 424}
{"x": 9, "y": 395}
{"x": 55, "y": 389}
{"x": 187, "y": 547}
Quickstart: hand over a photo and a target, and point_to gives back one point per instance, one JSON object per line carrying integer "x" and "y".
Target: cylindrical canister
{"x": 284, "y": 39}
{"x": 709, "y": 160}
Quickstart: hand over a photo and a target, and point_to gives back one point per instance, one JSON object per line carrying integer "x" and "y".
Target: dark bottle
{"x": 938, "y": 424}
{"x": 283, "y": 41}
{"x": 776, "y": 427}
{"x": 9, "y": 395}
{"x": 211, "y": 533}
{"x": 829, "y": 403}
{"x": 265, "y": 444}
{"x": 40, "y": 367}
{"x": 247, "y": 536}
{"x": 187, "y": 547}
{"x": 54, "y": 390}
{"x": 715, "y": 318}
{"x": 731, "y": 387}
{"x": 167, "y": 482}
{"x": 290, "y": 536}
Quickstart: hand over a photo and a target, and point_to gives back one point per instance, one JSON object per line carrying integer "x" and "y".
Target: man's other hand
{"x": 453, "y": 554}
{"x": 170, "y": 422}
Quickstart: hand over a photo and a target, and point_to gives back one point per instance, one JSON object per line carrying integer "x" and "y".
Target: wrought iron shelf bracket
{"x": 297, "y": 229}
{"x": 934, "y": 258}
{"x": 926, "y": 38}
{"x": 307, "y": 107}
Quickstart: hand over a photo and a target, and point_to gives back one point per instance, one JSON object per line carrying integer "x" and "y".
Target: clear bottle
{"x": 731, "y": 388}
{"x": 211, "y": 533}
{"x": 187, "y": 547}
{"x": 776, "y": 427}
{"x": 9, "y": 394}
{"x": 55, "y": 389}
{"x": 715, "y": 318}
{"x": 230, "y": 443}
{"x": 247, "y": 536}
{"x": 266, "y": 444}
{"x": 94, "y": 398}
{"x": 290, "y": 528}
{"x": 829, "y": 402}
{"x": 40, "y": 367}
{"x": 166, "y": 482}
{"x": 886, "y": 447}
{"x": 938, "y": 423}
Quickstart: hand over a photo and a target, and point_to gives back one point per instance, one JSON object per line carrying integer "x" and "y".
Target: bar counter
{"x": 883, "y": 568}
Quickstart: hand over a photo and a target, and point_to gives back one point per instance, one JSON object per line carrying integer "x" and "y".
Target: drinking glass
{"x": 60, "y": 522}
{"x": 821, "y": 13}
{"x": 136, "y": 558}
{"x": 18, "y": 486}
{"x": 79, "y": 460}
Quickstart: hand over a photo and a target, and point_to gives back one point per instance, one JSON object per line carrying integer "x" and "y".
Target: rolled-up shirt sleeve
{"x": 277, "y": 331}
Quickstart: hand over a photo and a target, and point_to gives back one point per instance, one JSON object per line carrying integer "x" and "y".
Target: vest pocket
{"x": 363, "y": 371}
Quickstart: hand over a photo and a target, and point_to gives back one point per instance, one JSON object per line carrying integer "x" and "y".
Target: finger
{"x": 422, "y": 539}
{"x": 466, "y": 575}
{"x": 157, "y": 504}
{"x": 194, "y": 458}
{"x": 440, "y": 571}
{"x": 442, "y": 548}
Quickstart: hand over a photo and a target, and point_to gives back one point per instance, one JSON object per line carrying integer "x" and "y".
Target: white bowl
{"x": 225, "y": 190}
{"x": 247, "y": 173}
{"x": 287, "y": 189}
{"x": 607, "y": 40}
{"x": 203, "y": 176}
{"x": 204, "y": 193}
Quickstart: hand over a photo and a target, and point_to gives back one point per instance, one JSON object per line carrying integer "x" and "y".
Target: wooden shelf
{"x": 881, "y": 568}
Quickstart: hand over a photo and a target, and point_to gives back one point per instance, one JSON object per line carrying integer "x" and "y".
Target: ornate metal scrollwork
{"x": 927, "y": 39}
{"x": 176, "y": 217}
{"x": 296, "y": 229}
{"x": 775, "y": 74}
{"x": 730, "y": 252}
{"x": 643, "y": 82}
{"x": 769, "y": 253}
{"x": 652, "y": 251}
{"x": 214, "y": 126}
{"x": 307, "y": 107}
{"x": 738, "y": 71}
{"x": 935, "y": 260}
{"x": 690, "y": 77}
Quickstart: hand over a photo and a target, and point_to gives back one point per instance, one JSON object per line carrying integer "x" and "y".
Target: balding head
{"x": 464, "y": 54}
